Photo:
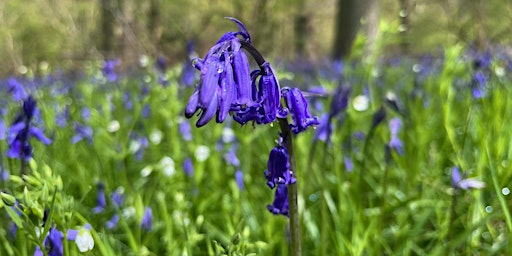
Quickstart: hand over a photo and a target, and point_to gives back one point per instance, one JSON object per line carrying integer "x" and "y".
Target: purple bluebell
{"x": 280, "y": 204}
{"x": 298, "y": 108}
{"x": 479, "y": 83}
{"x": 378, "y": 117}
{"x": 278, "y": 168}
{"x": 395, "y": 142}
{"x": 224, "y": 73}
{"x": 231, "y": 157}
{"x": 86, "y": 113}
{"x": 185, "y": 130}
{"x": 22, "y": 130}
{"x": 112, "y": 223}
{"x": 3, "y": 129}
{"x": 146, "y": 222}
{"x": 16, "y": 89}
{"x": 188, "y": 74}
{"x": 109, "y": 71}
{"x": 82, "y": 132}
{"x": 349, "y": 165}
{"x": 188, "y": 167}
{"x": 146, "y": 111}
{"x": 460, "y": 182}
{"x": 239, "y": 178}
{"x": 127, "y": 100}
{"x": 52, "y": 243}
{"x": 62, "y": 118}
{"x": 118, "y": 197}
{"x": 338, "y": 105}
{"x": 161, "y": 64}
{"x": 101, "y": 201}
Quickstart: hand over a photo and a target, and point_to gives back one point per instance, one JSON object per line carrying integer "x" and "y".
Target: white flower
{"x": 82, "y": 238}
{"x": 202, "y": 153}
{"x": 361, "y": 103}
{"x": 113, "y": 126}
{"x": 167, "y": 166}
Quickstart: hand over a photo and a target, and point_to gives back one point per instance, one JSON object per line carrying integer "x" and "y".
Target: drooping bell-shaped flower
{"x": 298, "y": 108}
{"x": 278, "y": 168}
{"x": 280, "y": 204}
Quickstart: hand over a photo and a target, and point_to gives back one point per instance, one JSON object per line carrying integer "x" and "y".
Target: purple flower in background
{"x": 127, "y": 99}
{"x": 101, "y": 201}
{"x": 278, "y": 169}
{"x": 231, "y": 157}
{"x": 458, "y": 182}
{"x": 62, "y": 118}
{"x": 86, "y": 113}
{"x": 146, "y": 111}
{"x": 118, "y": 197}
{"x": 280, "y": 204}
{"x": 82, "y": 132}
{"x": 146, "y": 222}
{"x": 16, "y": 89}
{"x": 112, "y": 223}
{"x": 188, "y": 166}
{"x": 161, "y": 64}
{"x": 298, "y": 108}
{"x": 22, "y": 130}
{"x": 239, "y": 178}
{"x": 349, "y": 165}
{"x": 395, "y": 142}
{"x": 479, "y": 84}
{"x": 185, "y": 130}
{"x": 108, "y": 69}
{"x": 3, "y": 129}
{"x": 188, "y": 74}
{"x": 52, "y": 243}
{"x": 378, "y": 117}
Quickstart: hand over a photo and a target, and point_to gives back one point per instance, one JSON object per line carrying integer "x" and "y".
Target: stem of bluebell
{"x": 295, "y": 242}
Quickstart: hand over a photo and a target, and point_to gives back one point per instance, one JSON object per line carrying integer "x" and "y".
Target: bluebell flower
{"x": 280, "y": 204}
{"x": 3, "y": 129}
{"x": 62, "y": 118}
{"x": 16, "y": 89}
{"x": 52, "y": 243}
{"x": 239, "y": 178}
{"x": 298, "y": 108}
{"x": 146, "y": 111}
{"x": 82, "y": 132}
{"x": 108, "y": 69}
{"x": 22, "y": 130}
{"x": 349, "y": 165}
{"x": 112, "y": 223}
{"x": 278, "y": 168}
{"x": 127, "y": 99}
{"x": 86, "y": 113}
{"x": 101, "y": 201}
{"x": 378, "y": 117}
{"x": 82, "y": 237}
{"x": 231, "y": 157}
{"x": 188, "y": 167}
{"x": 395, "y": 142}
{"x": 146, "y": 222}
{"x": 479, "y": 83}
{"x": 185, "y": 130}
{"x": 118, "y": 197}
{"x": 460, "y": 182}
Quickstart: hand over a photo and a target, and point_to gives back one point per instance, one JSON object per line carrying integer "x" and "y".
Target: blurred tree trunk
{"x": 154, "y": 26}
{"x": 301, "y": 29}
{"x": 349, "y": 13}
{"x": 106, "y": 46}
{"x": 371, "y": 26}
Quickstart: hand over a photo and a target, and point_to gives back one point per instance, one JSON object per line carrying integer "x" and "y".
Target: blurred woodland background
{"x": 69, "y": 33}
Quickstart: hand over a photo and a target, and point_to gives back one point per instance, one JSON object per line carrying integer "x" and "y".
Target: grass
{"x": 388, "y": 204}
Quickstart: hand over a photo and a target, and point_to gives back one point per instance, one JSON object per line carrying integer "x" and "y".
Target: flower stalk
{"x": 294, "y": 224}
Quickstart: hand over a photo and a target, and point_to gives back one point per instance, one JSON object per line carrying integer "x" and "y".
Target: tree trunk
{"x": 107, "y": 28}
{"x": 349, "y": 13}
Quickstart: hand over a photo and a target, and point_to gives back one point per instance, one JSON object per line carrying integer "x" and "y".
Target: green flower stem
{"x": 295, "y": 244}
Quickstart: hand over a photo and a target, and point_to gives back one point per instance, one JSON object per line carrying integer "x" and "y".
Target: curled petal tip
{"x": 241, "y": 27}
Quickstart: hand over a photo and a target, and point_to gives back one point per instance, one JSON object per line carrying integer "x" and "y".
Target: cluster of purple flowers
{"x": 227, "y": 86}
{"x": 20, "y": 132}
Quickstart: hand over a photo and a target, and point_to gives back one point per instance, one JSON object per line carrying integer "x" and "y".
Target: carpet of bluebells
{"x": 411, "y": 156}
